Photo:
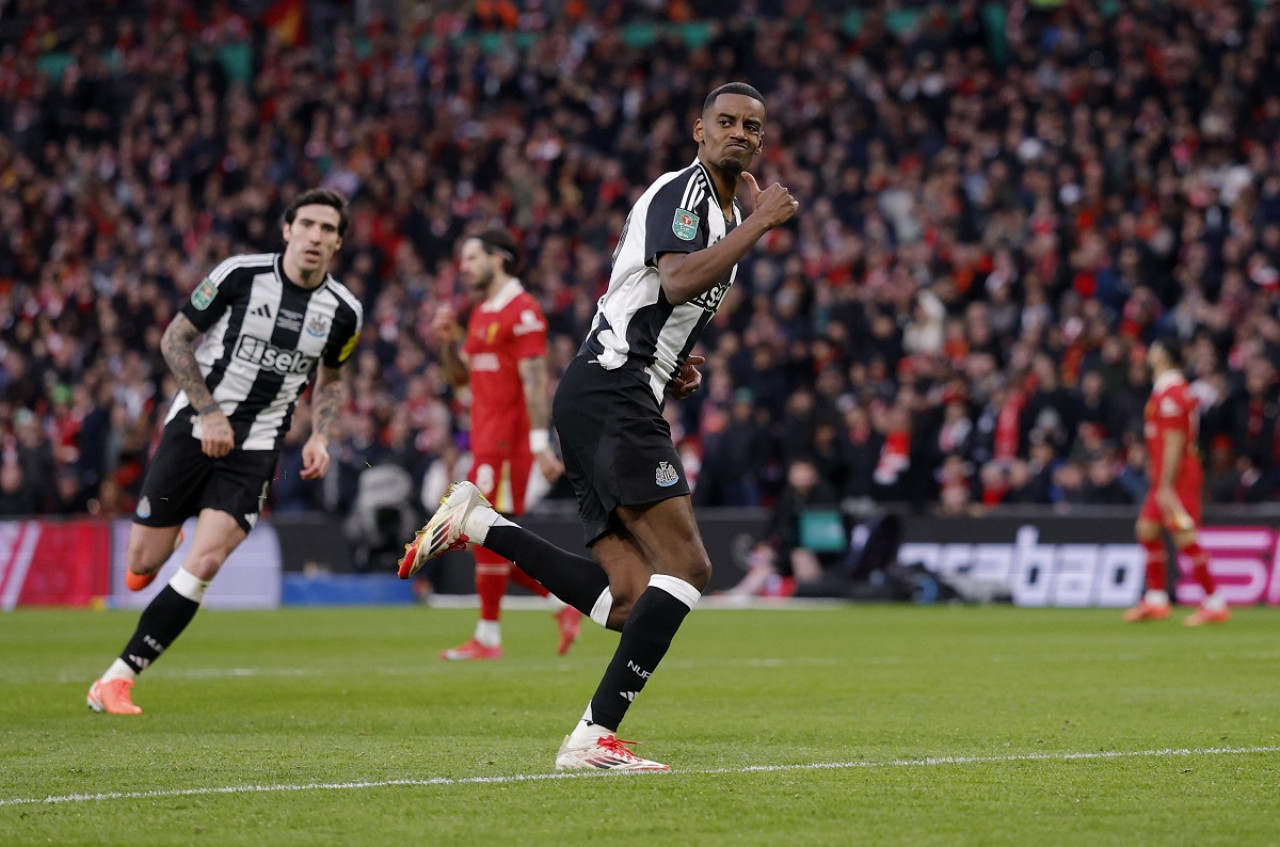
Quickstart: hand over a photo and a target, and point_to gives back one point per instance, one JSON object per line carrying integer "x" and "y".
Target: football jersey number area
{"x": 264, "y": 354}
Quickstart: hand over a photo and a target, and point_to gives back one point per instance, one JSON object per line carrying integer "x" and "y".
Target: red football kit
{"x": 503, "y": 330}
{"x": 1173, "y": 409}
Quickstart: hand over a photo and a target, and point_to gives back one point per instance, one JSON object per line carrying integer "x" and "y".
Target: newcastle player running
{"x": 267, "y": 321}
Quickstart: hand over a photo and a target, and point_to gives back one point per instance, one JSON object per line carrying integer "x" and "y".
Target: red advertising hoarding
{"x": 45, "y": 563}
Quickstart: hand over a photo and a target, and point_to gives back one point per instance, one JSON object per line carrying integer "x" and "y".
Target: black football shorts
{"x": 181, "y": 481}
{"x": 617, "y": 446}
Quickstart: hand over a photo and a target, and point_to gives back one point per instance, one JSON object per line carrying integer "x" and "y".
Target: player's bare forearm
{"x": 534, "y": 379}
{"x": 175, "y": 346}
{"x": 454, "y": 365}
{"x": 327, "y": 397}
{"x": 1173, "y": 444}
{"x": 686, "y": 275}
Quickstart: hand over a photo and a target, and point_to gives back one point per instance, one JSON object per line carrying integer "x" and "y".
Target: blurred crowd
{"x": 1002, "y": 205}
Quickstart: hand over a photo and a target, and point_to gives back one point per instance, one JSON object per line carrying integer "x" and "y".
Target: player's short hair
{"x": 499, "y": 242}
{"x": 731, "y": 88}
{"x": 320, "y": 197}
{"x": 1172, "y": 348}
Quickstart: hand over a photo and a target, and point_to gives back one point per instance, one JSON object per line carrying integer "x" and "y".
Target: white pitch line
{"x": 435, "y": 668}
{"x": 28, "y": 676}
{"x": 928, "y": 761}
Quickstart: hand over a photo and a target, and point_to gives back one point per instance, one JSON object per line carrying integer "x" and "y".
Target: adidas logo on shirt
{"x": 263, "y": 311}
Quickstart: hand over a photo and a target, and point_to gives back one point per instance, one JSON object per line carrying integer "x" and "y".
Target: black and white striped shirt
{"x": 263, "y": 336}
{"x": 634, "y": 321}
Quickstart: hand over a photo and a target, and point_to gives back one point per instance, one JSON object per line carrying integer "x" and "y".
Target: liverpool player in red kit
{"x": 1173, "y": 502}
{"x": 504, "y": 359}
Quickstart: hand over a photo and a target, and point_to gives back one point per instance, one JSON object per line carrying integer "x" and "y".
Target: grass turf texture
{"x": 301, "y": 698}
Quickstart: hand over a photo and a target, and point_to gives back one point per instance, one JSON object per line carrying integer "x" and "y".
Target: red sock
{"x": 1157, "y": 560}
{"x": 491, "y": 582}
{"x": 1200, "y": 567}
{"x": 521, "y": 578}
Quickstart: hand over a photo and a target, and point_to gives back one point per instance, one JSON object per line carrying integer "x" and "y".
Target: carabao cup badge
{"x": 685, "y": 225}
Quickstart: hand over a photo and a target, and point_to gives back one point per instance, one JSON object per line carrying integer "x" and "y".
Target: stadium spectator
{"x": 33, "y": 452}
{"x": 1102, "y": 485}
{"x": 805, "y": 534}
{"x": 18, "y": 496}
{"x": 69, "y": 496}
{"x": 1062, "y": 179}
{"x": 736, "y": 455}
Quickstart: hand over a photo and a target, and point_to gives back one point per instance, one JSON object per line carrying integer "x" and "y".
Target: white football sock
{"x": 189, "y": 585}
{"x": 489, "y": 633}
{"x": 120, "y": 670}
{"x": 603, "y": 605}
{"x": 676, "y": 587}
{"x": 1215, "y": 602}
{"x": 1157, "y": 598}
{"x": 476, "y": 526}
{"x": 587, "y": 730}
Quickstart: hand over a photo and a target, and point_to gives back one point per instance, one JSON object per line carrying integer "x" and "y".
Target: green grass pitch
{"x": 834, "y": 725}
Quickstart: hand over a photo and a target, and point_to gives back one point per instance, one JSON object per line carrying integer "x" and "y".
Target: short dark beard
{"x": 731, "y": 165}
{"x": 480, "y": 283}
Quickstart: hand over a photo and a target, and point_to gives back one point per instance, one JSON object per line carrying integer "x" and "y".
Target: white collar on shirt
{"x": 505, "y": 295}
{"x": 1166, "y": 379}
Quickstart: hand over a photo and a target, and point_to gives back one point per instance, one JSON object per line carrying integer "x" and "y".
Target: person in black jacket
{"x": 804, "y": 532}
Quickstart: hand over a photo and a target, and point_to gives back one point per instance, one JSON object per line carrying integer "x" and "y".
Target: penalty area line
{"x": 928, "y": 761}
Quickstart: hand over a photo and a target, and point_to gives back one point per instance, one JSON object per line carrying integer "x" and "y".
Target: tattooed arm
{"x": 216, "y": 438}
{"x": 326, "y": 400}
{"x": 534, "y": 379}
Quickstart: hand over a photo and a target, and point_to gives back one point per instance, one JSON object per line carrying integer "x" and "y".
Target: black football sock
{"x": 161, "y": 623}
{"x": 576, "y": 580}
{"x": 646, "y": 636}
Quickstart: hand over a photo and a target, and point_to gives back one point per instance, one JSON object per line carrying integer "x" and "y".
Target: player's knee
{"x": 204, "y": 565}
{"x": 144, "y": 560}
{"x": 697, "y": 573}
{"x": 694, "y": 568}
{"x": 703, "y": 577}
